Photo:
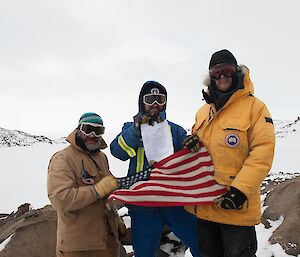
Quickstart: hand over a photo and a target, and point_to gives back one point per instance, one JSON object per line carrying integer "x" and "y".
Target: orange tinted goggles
{"x": 227, "y": 70}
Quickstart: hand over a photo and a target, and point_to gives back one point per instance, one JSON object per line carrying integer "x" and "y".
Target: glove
{"x": 192, "y": 142}
{"x": 148, "y": 118}
{"x": 106, "y": 185}
{"x": 151, "y": 118}
{"x": 233, "y": 199}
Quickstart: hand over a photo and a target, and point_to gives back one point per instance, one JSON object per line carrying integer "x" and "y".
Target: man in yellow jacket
{"x": 237, "y": 129}
{"x": 78, "y": 182}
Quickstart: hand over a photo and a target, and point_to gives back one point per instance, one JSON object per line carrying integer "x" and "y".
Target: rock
{"x": 34, "y": 234}
{"x": 284, "y": 200}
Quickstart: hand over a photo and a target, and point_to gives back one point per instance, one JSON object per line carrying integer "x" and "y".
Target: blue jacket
{"x": 129, "y": 145}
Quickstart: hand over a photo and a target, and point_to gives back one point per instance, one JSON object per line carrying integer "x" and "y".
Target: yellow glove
{"x": 106, "y": 185}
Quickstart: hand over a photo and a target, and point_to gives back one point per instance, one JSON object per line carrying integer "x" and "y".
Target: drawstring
{"x": 96, "y": 164}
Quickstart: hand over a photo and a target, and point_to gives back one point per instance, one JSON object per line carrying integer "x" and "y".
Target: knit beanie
{"x": 90, "y": 117}
{"x": 150, "y": 87}
{"x": 222, "y": 56}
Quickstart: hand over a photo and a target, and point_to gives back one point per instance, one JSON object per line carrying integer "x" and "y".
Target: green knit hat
{"x": 90, "y": 117}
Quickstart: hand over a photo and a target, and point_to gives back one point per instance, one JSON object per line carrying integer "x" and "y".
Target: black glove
{"x": 233, "y": 199}
{"x": 192, "y": 142}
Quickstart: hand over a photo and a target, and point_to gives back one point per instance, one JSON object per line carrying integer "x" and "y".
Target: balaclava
{"x": 151, "y": 87}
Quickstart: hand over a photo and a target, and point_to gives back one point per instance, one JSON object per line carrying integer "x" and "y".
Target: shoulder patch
{"x": 268, "y": 119}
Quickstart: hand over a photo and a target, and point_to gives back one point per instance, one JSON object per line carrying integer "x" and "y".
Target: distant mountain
{"x": 285, "y": 128}
{"x": 9, "y": 138}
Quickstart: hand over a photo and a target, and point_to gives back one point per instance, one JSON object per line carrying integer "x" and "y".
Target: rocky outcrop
{"x": 32, "y": 234}
{"x": 284, "y": 201}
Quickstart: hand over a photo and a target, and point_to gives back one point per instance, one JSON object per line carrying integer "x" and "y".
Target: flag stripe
{"x": 175, "y": 163}
{"x": 181, "y": 172}
{"x": 188, "y": 187}
{"x": 163, "y": 193}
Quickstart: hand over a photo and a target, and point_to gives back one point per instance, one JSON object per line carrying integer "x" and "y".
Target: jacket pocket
{"x": 230, "y": 143}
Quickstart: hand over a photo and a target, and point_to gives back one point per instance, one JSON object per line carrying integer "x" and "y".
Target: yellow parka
{"x": 84, "y": 221}
{"x": 240, "y": 139}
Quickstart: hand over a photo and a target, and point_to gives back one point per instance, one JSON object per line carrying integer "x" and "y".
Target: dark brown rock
{"x": 284, "y": 200}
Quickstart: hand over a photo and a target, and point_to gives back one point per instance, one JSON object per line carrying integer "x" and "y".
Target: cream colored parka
{"x": 240, "y": 139}
{"x": 83, "y": 220}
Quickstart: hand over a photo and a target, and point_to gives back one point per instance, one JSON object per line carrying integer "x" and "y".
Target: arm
{"x": 261, "y": 138}
{"x": 178, "y": 135}
{"x": 125, "y": 144}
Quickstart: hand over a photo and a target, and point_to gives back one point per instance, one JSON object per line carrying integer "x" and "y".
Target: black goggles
{"x": 90, "y": 128}
{"x": 150, "y": 99}
{"x": 227, "y": 70}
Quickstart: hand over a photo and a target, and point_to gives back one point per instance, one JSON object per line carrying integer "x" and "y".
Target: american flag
{"x": 183, "y": 178}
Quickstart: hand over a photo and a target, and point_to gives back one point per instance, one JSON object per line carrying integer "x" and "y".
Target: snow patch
{"x": 5, "y": 242}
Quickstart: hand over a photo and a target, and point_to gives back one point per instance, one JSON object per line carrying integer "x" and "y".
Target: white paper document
{"x": 157, "y": 140}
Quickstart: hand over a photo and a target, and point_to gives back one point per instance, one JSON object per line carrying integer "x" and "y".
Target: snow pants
{"x": 219, "y": 240}
{"x": 147, "y": 227}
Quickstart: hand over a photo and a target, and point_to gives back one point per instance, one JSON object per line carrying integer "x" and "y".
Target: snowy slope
{"x": 18, "y": 138}
{"x": 286, "y": 158}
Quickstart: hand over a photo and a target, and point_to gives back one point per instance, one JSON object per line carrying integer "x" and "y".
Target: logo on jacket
{"x": 232, "y": 140}
{"x": 87, "y": 178}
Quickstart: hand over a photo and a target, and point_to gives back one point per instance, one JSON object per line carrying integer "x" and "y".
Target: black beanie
{"x": 223, "y": 56}
{"x": 151, "y": 87}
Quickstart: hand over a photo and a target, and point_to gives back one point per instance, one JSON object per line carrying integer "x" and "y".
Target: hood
{"x": 244, "y": 82}
{"x": 148, "y": 88}
{"x": 71, "y": 139}
{"x": 244, "y": 87}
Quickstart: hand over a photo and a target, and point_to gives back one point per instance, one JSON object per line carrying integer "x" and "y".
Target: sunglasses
{"x": 150, "y": 99}
{"x": 91, "y": 128}
{"x": 227, "y": 70}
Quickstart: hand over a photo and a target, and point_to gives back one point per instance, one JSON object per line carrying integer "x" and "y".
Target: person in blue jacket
{"x": 147, "y": 222}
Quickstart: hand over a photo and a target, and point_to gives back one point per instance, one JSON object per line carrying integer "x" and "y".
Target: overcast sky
{"x": 59, "y": 59}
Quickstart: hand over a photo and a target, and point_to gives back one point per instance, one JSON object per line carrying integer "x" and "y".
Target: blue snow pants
{"x": 147, "y": 226}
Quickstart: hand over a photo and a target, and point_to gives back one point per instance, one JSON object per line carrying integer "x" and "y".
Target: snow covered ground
{"x": 24, "y": 177}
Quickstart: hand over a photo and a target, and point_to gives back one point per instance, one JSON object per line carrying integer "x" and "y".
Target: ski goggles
{"x": 150, "y": 99}
{"x": 91, "y": 128}
{"x": 225, "y": 69}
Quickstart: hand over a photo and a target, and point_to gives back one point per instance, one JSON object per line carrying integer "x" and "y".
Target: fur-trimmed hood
{"x": 243, "y": 69}
{"x": 243, "y": 86}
